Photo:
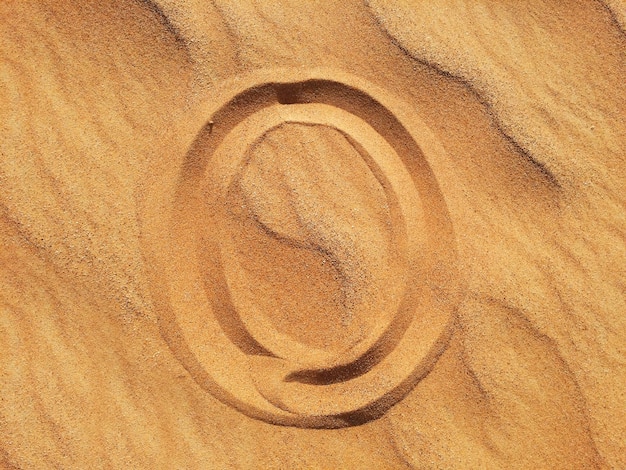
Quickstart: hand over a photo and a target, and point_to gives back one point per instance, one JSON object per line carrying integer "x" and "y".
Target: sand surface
{"x": 313, "y": 234}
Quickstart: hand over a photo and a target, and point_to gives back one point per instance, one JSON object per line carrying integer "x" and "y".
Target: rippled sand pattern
{"x": 313, "y": 235}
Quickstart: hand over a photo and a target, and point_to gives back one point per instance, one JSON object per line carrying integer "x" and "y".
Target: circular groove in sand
{"x": 227, "y": 161}
{"x": 246, "y": 363}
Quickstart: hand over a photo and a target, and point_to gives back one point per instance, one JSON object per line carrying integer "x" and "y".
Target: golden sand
{"x": 313, "y": 234}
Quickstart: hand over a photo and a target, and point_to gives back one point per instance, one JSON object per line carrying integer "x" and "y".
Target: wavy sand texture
{"x": 224, "y": 224}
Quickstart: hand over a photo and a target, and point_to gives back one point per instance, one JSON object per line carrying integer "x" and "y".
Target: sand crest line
{"x": 247, "y": 364}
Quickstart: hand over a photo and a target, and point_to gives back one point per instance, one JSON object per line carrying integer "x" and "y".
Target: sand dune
{"x": 322, "y": 235}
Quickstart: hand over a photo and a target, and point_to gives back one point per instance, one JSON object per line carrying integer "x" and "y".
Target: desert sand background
{"x": 125, "y": 236}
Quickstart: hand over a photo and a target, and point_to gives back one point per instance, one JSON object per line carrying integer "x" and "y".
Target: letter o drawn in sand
{"x": 194, "y": 227}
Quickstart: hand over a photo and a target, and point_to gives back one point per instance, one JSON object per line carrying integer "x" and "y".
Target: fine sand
{"x": 313, "y": 234}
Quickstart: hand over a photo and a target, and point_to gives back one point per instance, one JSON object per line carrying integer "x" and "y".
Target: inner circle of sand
{"x": 306, "y": 199}
{"x": 226, "y": 164}
{"x": 248, "y": 371}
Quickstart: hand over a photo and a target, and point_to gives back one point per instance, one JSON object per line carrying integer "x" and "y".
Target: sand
{"x": 313, "y": 234}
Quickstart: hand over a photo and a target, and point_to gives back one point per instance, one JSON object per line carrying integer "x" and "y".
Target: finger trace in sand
{"x": 400, "y": 314}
